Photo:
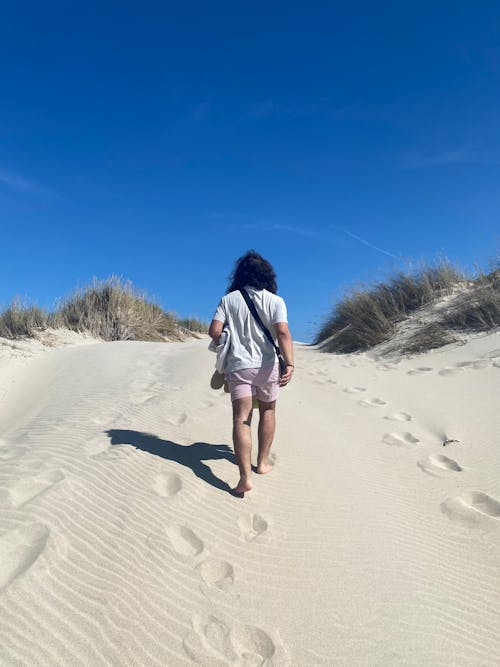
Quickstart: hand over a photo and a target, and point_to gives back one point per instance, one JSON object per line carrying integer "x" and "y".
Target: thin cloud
{"x": 470, "y": 153}
{"x": 14, "y": 182}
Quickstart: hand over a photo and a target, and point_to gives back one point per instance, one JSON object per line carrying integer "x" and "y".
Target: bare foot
{"x": 243, "y": 486}
{"x": 262, "y": 468}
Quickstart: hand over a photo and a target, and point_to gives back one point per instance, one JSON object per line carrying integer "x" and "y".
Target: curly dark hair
{"x": 252, "y": 269}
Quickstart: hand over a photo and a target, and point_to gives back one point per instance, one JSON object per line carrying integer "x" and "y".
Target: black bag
{"x": 253, "y": 310}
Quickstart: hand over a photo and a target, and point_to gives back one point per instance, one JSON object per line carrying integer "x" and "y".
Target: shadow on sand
{"x": 191, "y": 456}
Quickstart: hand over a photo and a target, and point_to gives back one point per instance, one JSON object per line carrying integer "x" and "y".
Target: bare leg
{"x": 242, "y": 440}
{"x": 267, "y": 427}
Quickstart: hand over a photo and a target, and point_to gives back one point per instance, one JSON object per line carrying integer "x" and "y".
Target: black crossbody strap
{"x": 253, "y": 310}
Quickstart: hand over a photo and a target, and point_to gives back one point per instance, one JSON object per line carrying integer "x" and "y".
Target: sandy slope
{"x": 369, "y": 544}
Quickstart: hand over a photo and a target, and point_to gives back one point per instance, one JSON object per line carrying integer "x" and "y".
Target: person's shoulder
{"x": 231, "y": 298}
{"x": 274, "y": 297}
{"x": 231, "y": 295}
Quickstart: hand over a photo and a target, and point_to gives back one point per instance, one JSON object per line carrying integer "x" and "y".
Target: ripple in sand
{"x": 19, "y": 549}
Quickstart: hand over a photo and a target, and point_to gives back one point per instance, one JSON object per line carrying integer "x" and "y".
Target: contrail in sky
{"x": 367, "y": 243}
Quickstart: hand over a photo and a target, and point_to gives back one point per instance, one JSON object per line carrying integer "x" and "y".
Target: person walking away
{"x": 252, "y": 368}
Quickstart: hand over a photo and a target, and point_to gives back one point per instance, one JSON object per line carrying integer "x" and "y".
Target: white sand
{"x": 369, "y": 543}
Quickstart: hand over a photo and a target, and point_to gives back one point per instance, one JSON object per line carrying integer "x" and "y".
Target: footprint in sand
{"x": 184, "y": 541}
{"x": 97, "y": 445}
{"x": 354, "y": 390}
{"x": 372, "y": 403}
{"x": 398, "y": 417}
{"x": 216, "y": 573}
{"x": 167, "y": 485}
{"x": 178, "y": 420}
{"x": 10, "y": 452}
{"x": 19, "y": 549}
{"x": 140, "y": 399}
{"x": 421, "y": 370}
{"x": 493, "y": 354}
{"x": 23, "y": 490}
{"x": 438, "y": 465}
{"x": 399, "y": 439}
{"x": 385, "y": 367}
{"x": 475, "y": 365}
{"x": 212, "y": 641}
{"x": 451, "y": 370}
{"x": 474, "y": 509}
{"x": 252, "y": 526}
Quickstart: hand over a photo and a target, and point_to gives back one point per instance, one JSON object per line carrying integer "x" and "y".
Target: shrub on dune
{"x": 114, "y": 310}
{"x": 111, "y": 309}
{"x": 19, "y": 320}
{"x": 479, "y": 309}
{"x": 368, "y": 315}
{"x": 193, "y": 324}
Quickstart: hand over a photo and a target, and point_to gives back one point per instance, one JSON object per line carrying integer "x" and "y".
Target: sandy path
{"x": 370, "y": 543}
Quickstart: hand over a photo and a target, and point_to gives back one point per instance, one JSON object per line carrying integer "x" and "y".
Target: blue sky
{"x": 160, "y": 141}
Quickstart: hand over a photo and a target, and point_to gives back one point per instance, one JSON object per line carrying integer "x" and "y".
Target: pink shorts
{"x": 263, "y": 383}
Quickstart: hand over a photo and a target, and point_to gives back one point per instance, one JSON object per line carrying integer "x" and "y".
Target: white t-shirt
{"x": 249, "y": 346}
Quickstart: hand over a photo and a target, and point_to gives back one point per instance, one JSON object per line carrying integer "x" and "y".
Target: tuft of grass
{"x": 429, "y": 337}
{"x": 19, "y": 320}
{"x": 111, "y": 309}
{"x": 479, "y": 309}
{"x": 367, "y": 316}
{"x": 114, "y": 310}
{"x": 193, "y": 324}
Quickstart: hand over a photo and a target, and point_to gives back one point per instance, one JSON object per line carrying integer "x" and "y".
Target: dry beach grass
{"x": 370, "y": 314}
{"x": 111, "y": 309}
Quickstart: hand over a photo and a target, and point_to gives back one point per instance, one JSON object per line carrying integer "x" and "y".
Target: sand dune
{"x": 370, "y": 543}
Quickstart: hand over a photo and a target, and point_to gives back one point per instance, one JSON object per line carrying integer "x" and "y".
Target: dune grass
{"x": 111, "y": 309}
{"x": 369, "y": 314}
{"x": 193, "y": 324}
{"x": 20, "y": 319}
{"x": 479, "y": 309}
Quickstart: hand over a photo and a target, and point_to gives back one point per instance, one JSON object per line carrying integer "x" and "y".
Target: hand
{"x": 287, "y": 376}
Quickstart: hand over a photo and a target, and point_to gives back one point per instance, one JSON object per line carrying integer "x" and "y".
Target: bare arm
{"x": 215, "y": 330}
{"x": 285, "y": 344}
